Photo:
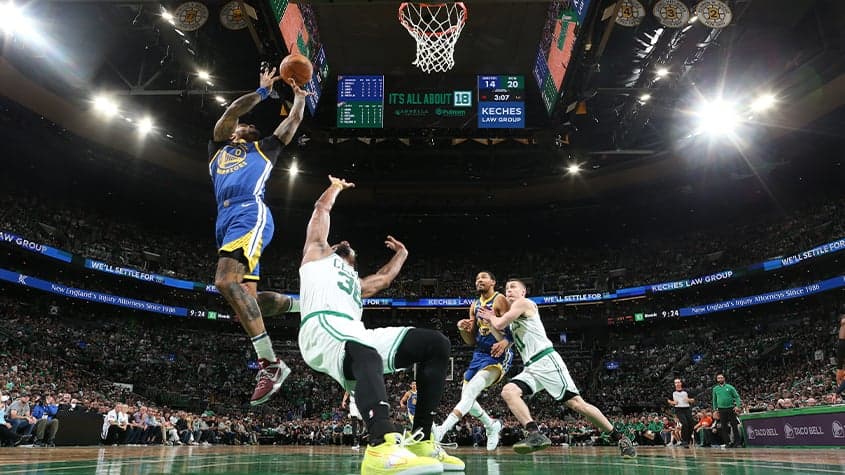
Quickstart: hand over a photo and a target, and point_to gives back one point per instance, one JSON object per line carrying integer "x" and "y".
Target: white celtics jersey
{"x": 529, "y": 335}
{"x": 330, "y": 284}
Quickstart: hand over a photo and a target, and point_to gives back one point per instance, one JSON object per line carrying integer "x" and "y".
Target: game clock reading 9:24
{"x": 501, "y": 102}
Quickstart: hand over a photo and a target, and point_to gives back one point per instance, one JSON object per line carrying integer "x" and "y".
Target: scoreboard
{"x": 400, "y": 102}
{"x": 360, "y": 102}
{"x": 501, "y": 102}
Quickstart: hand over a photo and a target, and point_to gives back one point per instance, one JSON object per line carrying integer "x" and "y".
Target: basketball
{"x": 296, "y": 66}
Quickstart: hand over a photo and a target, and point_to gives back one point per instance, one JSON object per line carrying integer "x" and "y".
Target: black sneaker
{"x": 534, "y": 442}
{"x": 627, "y": 448}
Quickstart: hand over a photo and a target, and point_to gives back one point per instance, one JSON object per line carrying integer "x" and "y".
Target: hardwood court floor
{"x": 343, "y": 461}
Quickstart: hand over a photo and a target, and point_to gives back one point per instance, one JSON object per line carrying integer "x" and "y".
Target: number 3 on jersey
{"x": 350, "y": 285}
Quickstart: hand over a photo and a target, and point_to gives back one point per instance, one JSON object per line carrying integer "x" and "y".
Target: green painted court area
{"x": 341, "y": 461}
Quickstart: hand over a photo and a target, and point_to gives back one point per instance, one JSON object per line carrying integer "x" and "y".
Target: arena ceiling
{"x": 793, "y": 49}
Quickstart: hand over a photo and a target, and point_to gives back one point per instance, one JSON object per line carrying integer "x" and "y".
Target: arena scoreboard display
{"x": 501, "y": 102}
{"x": 360, "y": 102}
{"x": 459, "y": 102}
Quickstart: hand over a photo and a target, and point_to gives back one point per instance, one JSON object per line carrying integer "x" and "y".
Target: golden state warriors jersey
{"x": 484, "y": 338}
{"x": 240, "y": 169}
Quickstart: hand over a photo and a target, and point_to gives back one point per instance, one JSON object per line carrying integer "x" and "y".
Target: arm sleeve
{"x": 271, "y": 147}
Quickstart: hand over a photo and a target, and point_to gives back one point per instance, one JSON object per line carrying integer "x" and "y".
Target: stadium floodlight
{"x": 105, "y": 105}
{"x": 145, "y": 126}
{"x": 293, "y": 170}
{"x": 14, "y": 21}
{"x": 662, "y": 72}
{"x": 573, "y": 169}
{"x": 717, "y": 117}
{"x": 763, "y": 102}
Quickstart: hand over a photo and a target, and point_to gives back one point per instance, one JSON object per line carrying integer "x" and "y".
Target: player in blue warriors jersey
{"x": 491, "y": 359}
{"x": 409, "y": 399}
{"x": 240, "y": 161}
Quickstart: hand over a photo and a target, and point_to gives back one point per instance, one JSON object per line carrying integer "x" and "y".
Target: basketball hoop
{"x": 436, "y": 28}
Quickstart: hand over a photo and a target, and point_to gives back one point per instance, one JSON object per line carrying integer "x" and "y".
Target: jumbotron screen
{"x": 461, "y": 102}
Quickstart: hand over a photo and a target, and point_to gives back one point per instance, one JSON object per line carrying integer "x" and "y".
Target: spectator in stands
{"x": 114, "y": 428}
{"x": 136, "y": 426}
{"x": 716, "y": 430}
{"x": 47, "y": 425}
{"x": 153, "y": 433}
{"x": 7, "y": 435}
{"x": 702, "y": 428}
{"x": 20, "y": 417}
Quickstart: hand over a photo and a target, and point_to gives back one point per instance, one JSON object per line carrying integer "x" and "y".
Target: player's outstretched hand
{"x": 465, "y": 325}
{"x": 394, "y": 245}
{"x": 267, "y": 78}
{"x": 485, "y": 313}
{"x": 343, "y": 184}
{"x": 298, "y": 91}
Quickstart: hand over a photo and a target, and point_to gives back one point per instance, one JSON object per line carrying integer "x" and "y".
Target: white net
{"x": 435, "y": 28}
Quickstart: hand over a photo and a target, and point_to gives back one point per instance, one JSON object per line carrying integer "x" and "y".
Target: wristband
{"x": 263, "y": 92}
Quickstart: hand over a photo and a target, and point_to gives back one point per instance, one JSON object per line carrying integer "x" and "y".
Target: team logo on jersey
{"x": 230, "y": 159}
{"x": 483, "y": 327}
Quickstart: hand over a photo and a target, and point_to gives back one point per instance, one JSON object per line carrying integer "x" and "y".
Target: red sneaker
{"x": 270, "y": 378}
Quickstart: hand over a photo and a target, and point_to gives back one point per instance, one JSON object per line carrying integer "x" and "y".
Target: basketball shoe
{"x": 433, "y": 449}
{"x": 626, "y": 447}
{"x": 493, "y": 434}
{"x": 394, "y": 458}
{"x": 532, "y": 443}
{"x": 270, "y": 378}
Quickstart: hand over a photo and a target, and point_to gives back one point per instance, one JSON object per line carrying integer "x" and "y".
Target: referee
{"x": 681, "y": 402}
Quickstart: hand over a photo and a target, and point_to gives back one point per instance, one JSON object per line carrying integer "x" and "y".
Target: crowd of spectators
{"x": 638, "y": 260}
{"x": 89, "y": 361}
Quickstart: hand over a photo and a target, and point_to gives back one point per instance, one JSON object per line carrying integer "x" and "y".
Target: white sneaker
{"x": 493, "y": 434}
{"x": 438, "y": 433}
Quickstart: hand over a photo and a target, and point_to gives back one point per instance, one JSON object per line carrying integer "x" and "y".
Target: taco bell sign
{"x": 796, "y": 430}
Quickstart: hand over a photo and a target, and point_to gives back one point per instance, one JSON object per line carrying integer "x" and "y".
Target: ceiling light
{"x": 573, "y": 169}
{"x": 13, "y": 20}
{"x": 177, "y": 30}
{"x": 105, "y": 105}
{"x": 763, "y": 102}
{"x": 203, "y": 75}
{"x": 168, "y": 17}
{"x": 145, "y": 126}
{"x": 662, "y": 72}
{"x": 718, "y": 117}
{"x": 693, "y": 19}
{"x": 293, "y": 170}
{"x": 645, "y": 97}
{"x": 220, "y": 99}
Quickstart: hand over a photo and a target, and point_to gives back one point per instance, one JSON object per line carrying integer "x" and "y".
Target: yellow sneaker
{"x": 393, "y": 458}
{"x": 433, "y": 449}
